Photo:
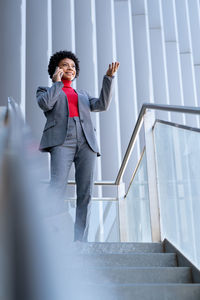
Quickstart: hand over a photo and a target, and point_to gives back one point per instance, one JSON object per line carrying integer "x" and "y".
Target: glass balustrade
{"x": 138, "y": 214}
{"x": 103, "y": 220}
{"x": 178, "y": 181}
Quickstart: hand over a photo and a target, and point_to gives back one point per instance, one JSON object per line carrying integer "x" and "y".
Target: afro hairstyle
{"x": 57, "y": 57}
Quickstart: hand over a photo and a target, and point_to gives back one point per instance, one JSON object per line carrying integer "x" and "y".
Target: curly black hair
{"x": 57, "y": 57}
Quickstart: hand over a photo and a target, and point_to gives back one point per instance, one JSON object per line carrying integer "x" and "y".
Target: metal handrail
{"x": 109, "y": 199}
{"x": 135, "y": 171}
{"x": 145, "y": 106}
{"x": 172, "y": 124}
{"x": 101, "y": 182}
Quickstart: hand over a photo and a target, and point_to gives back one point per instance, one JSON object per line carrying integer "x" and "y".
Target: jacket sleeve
{"x": 47, "y": 97}
{"x": 102, "y": 103}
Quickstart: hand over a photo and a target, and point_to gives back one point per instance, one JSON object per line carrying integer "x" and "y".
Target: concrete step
{"x": 126, "y": 260}
{"x": 142, "y": 291}
{"x": 135, "y": 275}
{"x": 116, "y": 247}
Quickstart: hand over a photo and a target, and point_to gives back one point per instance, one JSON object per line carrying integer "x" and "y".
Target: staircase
{"x": 57, "y": 269}
{"x": 132, "y": 271}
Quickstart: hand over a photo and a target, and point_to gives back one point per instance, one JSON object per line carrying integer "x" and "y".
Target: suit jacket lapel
{"x": 80, "y": 103}
{"x": 64, "y": 98}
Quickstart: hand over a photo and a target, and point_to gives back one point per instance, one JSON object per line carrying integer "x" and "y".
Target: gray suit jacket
{"x": 53, "y": 101}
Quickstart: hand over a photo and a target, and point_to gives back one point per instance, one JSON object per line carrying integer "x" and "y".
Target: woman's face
{"x": 69, "y": 68}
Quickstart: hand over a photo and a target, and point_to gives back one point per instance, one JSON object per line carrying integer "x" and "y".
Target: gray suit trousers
{"x": 74, "y": 149}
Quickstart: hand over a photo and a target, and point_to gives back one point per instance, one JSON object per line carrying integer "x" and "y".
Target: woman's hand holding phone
{"x": 57, "y": 76}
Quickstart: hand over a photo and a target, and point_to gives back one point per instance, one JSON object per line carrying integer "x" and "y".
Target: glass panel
{"x": 138, "y": 206}
{"x": 103, "y": 220}
{"x": 178, "y": 172}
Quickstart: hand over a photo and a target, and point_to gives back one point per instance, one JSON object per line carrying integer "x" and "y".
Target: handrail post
{"x": 149, "y": 120}
{"x": 122, "y": 209}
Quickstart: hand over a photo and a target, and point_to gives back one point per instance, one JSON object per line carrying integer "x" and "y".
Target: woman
{"x": 69, "y": 134}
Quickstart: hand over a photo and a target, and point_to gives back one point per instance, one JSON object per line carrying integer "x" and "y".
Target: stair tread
{"x": 117, "y": 247}
{"x": 132, "y": 268}
{"x": 131, "y": 259}
{"x": 135, "y": 275}
{"x": 149, "y": 284}
{"x": 147, "y": 291}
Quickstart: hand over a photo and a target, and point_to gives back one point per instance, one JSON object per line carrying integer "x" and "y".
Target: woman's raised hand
{"x": 58, "y": 74}
{"x": 112, "y": 69}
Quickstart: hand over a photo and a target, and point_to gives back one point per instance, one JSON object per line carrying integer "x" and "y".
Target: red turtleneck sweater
{"x": 72, "y": 98}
